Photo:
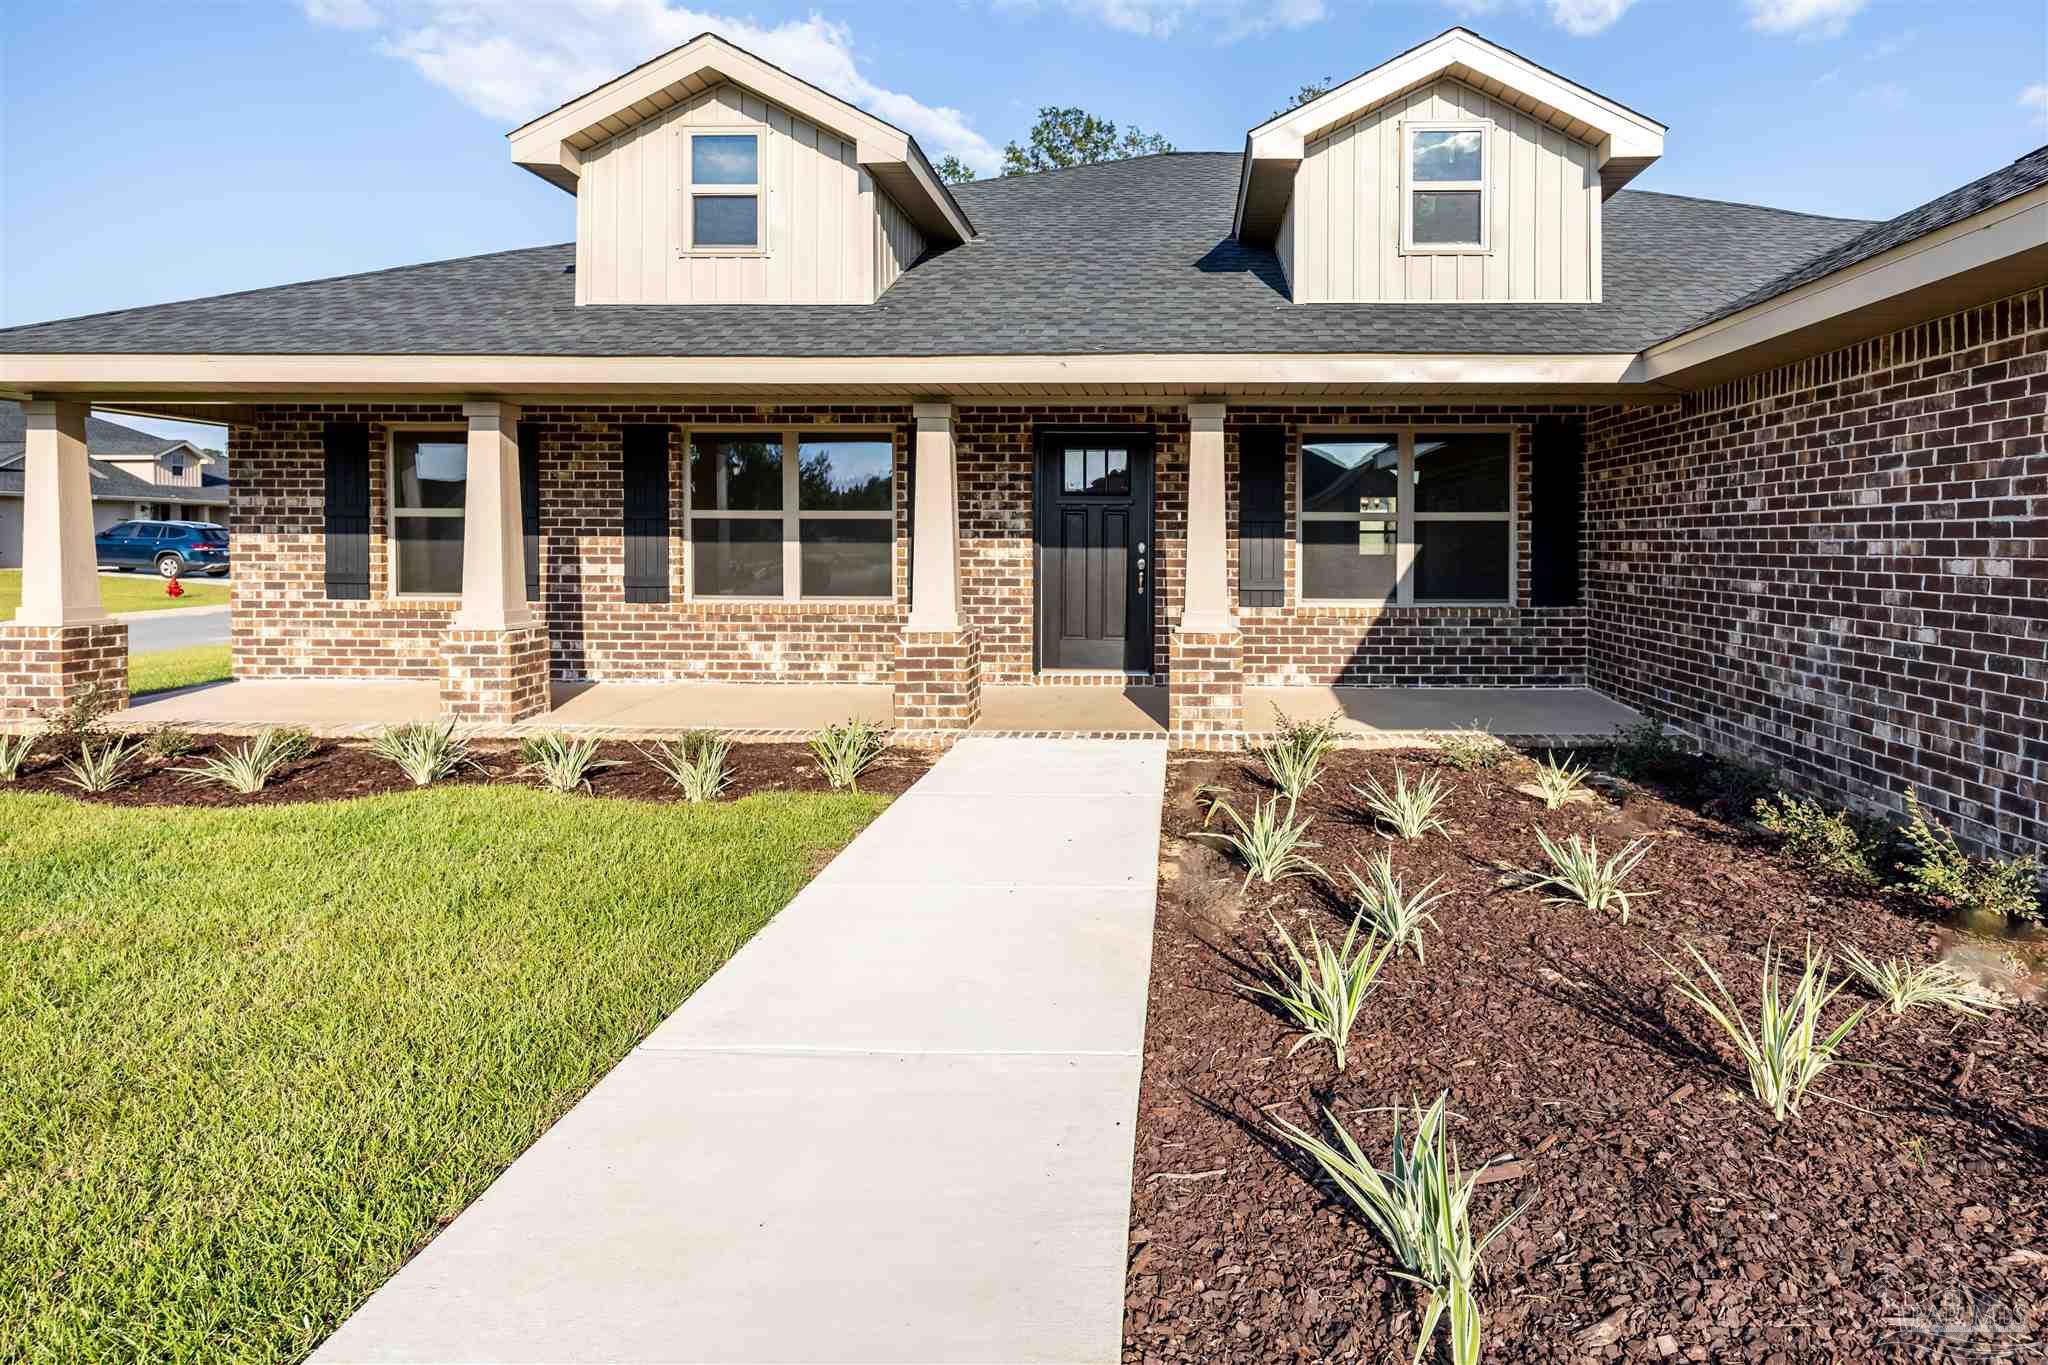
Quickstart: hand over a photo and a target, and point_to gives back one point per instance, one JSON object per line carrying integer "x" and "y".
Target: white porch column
{"x": 60, "y": 582}
{"x": 935, "y": 543}
{"x": 493, "y": 533}
{"x": 1207, "y": 608}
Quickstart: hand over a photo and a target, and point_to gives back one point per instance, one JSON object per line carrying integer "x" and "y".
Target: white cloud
{"x": 342, "y": 13}
{"x": 513, "y": 59}
{"x": 1807, "y": 18}
{"x": 2035, "y": 97}
{"x": 1582, "y": 17}
{"x": 1587, "y": 17}
{"x": 1229, "y": 20}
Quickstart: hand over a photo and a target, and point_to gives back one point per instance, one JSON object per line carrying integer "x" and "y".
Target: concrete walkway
{"x": 896, "y": 1127}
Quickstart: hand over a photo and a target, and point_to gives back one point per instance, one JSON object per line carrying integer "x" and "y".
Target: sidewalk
{"x": 896, "y": 1127}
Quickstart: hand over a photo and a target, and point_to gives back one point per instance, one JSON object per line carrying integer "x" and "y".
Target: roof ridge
{"x": 1005, "y": 178}
{"x": 1746, "y": 204}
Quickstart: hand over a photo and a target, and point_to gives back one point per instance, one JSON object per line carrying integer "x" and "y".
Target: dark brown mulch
{"x": 342, "y": 769}
{"x": 1669, "y": 1216}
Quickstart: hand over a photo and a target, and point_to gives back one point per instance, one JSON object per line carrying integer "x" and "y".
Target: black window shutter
{"x": 1556, "y": 507}
{"x": 645, "y": 453}
{"x": 529, "y": 504}
{"x": 1262, "y": 517}
{"x": 347, "y": 523}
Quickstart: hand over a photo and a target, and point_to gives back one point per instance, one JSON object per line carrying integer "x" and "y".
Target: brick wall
{"x": 1397, "y": 646}
{"x": 1840, "y": 568}
{"x": 284, "y": 625}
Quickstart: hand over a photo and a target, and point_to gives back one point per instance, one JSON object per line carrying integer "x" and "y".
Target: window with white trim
{"x": 429, "y": 485}
{"x": 1445, "y": 166}
{"x": 723, "y": 210}
{"x": 792, "y": 515}
{"x": 1406, "y": 517}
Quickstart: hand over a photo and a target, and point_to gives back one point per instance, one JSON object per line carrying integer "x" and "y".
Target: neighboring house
{"x": 133, "y": 475}
{"x": 1411, "y": 391}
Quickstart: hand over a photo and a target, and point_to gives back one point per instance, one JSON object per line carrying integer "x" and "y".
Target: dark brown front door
{"x": 1094, "y": 518}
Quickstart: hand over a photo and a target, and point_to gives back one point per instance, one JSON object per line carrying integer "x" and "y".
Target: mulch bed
{"x": 342, "y": 769}
{"x": 1669, "y": 1217}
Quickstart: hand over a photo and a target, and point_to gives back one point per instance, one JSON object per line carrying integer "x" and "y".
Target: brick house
{"x": 1412, "y": 392}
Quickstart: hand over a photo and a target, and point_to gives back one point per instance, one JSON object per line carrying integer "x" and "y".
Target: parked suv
{"x": 169, "y": 547}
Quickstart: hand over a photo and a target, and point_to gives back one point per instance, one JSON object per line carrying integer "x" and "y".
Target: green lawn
{"x": 165, "y": 669}
{"x": 127, "y": 592}
{"x": 249, "y": 1057}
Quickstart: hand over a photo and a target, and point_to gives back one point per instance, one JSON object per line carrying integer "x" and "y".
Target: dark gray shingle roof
{"x": 2008, "y": 182}
{"x": 1131, "y": 256}
{"x": 101, "y": 436}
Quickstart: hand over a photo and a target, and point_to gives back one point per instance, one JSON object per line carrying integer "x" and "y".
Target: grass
{"x": 252, "y": 1055}
{"x": 168, "y": 668}
{"x": 139, "y": 591}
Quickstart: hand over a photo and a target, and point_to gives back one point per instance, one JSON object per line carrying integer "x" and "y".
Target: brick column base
{"x": 938, "y": 680}
{"x": 1205, "y": 690}
{"x": 495, "y": 676}
{"x": 44, "y": 668}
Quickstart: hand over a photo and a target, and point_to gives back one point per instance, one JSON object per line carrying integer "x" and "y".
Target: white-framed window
{"x": 428, "y": 470}
{"x": 1443, "y": 176}
{"x": 1406, "y": 516}
{"x": 722, "y": 194}
{"x": 791, "y": 514}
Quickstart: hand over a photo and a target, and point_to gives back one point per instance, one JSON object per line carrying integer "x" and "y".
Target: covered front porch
{"x": 1376, "y": 716}
{"x": 583, "y": 568}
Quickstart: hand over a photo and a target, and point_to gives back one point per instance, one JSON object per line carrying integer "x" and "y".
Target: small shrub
{"x": 1557, "y": 781}
{"x": 425, "y": 753}
{"x": 169, "y": 741}
{"x": 1472, "y": 748}
{"x": 1643, "y": 750}
{"x": 1269, "y": 844}
{"x": 1394, "y": 912}
{"x": 1577, "y": 871}
{"x": 1902, "y": 985}
{"x": 1421, "y": 1207}
{"x": 1323, "y": 990}
{"x": 295, "y": 743}
{"x": 247, "y": 768}
{"x": 846, "y": 750}
{"x": 14, "y": 752}
{"x": 1829, "y": 842}
{"x": 561, "y": 762}
{"x": 99, "y": 765}
{"x": 1409, "y": 811}
{"x": 1786, "y": 1052}
{"x": 1941, "y": 872}
{"x": 1295, "y": 756}
{"x": 1738, "y": 785}
{"x": 66, "y": 728}
{"x": 697, "y": 765}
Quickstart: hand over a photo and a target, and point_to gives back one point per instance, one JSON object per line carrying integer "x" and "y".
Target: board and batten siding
{"x": 828, "y": 235}
{"x": 1543, "y": 207}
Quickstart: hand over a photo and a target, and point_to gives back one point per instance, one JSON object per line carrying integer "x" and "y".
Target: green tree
{"x": 1314, "y": 90}
{"x": 1075, "y": 137}
{"x": 954, "y": 171}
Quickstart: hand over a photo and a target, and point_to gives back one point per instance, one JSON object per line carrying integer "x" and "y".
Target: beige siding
{"x": 898, "y": 242}
{"x": 1341, "y": 241}
{"x": 822, "y": 226}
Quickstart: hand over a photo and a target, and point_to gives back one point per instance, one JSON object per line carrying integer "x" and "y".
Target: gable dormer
{"x": 710, "y": 176}
{"x": 1457, "y": 172}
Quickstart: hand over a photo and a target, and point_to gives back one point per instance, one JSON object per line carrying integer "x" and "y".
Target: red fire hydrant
{"x": 174, "y": 588}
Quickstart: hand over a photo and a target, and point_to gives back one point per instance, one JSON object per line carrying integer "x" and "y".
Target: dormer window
{"x": 1446, "y": 165}
{"x": 725, "y": 191}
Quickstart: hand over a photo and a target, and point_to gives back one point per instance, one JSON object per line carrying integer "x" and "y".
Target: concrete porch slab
{"x": 1093, "y": 710}
{"x": 337, "y": 707}
{"x": 1410, "y": 713}
{"x": 668, "y": 707}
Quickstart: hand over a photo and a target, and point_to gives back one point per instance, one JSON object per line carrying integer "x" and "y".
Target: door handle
{"x": 1141, "y": 568}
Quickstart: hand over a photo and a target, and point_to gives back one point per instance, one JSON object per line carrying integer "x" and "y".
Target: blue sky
{"x": 157, "y": 151}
